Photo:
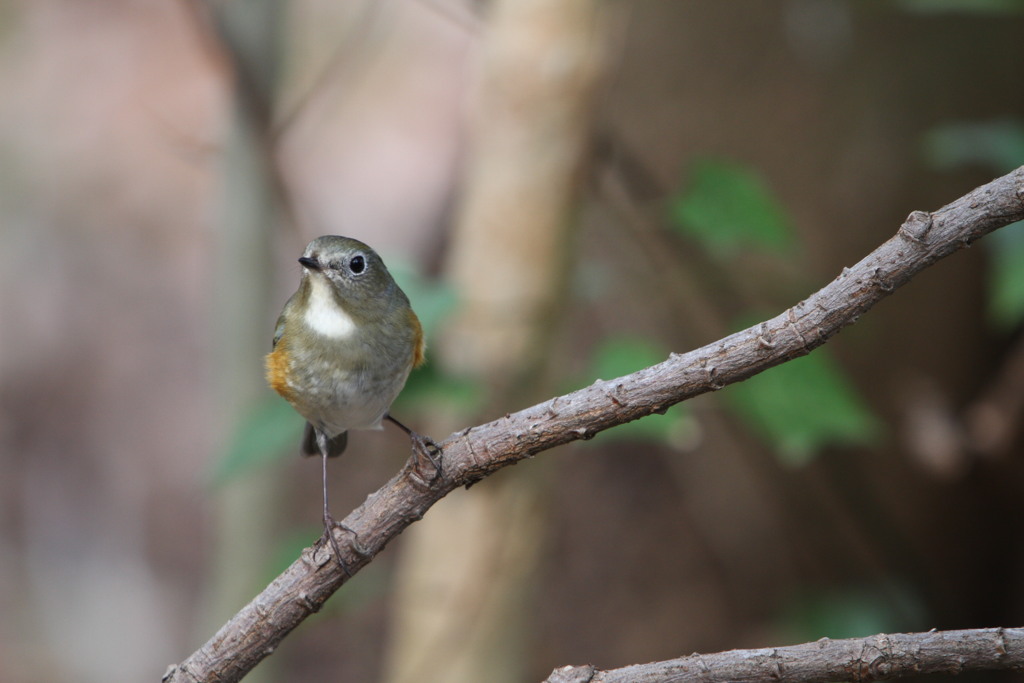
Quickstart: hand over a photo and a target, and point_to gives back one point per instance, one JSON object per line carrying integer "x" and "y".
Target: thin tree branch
{"x": 854, "y": 659}
{"x": 476, "y": 452}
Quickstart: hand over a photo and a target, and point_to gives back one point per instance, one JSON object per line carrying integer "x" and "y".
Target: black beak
{"x": 310, "y": 263}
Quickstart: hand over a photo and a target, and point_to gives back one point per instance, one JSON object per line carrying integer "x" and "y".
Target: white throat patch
{"x": 324, "y": 315}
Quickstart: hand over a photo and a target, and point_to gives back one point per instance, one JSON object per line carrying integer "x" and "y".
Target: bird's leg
{"x": 424, "y": 448}
{"x": 328, "y": 534}
{"x": 329, "y": 523}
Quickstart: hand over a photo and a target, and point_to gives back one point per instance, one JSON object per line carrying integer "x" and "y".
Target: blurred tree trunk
{"x": 465, "y": 583}
{"x": 249, "y": 33}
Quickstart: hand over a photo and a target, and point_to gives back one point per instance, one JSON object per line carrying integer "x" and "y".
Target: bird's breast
{"x": 324, "y": 315}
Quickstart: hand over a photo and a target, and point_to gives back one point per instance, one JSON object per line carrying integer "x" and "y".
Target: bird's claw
{"x": 328, "y": 536}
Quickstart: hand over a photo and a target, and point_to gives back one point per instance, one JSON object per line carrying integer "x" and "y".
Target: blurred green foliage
{"x": 999, "y": 146}
{"x": 432, "y": 299}
{"x": 804, "y": 405}
{"x": 727, "y": 208}
{"x": 268, "y": 430}
{"x": 851, "y": 612}
{"x": 1006, "y": 276}
{"x": 427, "y": 386}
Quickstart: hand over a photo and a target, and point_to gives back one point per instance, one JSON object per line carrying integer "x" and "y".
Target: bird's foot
{"x": 328, "y": 537}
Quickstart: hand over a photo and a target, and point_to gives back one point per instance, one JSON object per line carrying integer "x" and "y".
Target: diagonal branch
{"x": 476, "y": 452}
{"x": 853, "y": 659}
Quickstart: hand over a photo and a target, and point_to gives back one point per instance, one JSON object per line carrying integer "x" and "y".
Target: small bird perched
{"x": 343, "y": 348}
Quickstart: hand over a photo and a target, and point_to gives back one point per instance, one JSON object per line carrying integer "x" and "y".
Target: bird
{"x": 343, "y": 348}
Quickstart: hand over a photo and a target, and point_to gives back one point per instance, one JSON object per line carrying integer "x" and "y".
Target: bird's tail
{"x": 335, "y": 445}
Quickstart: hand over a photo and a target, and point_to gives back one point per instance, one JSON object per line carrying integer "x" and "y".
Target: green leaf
{"x": 802, "y": 406}
{"x": 1006, "y": 276}
{"x": 270, "y": 430}
{"x": 728, "y": 208}
{"x": 995, "y": 144}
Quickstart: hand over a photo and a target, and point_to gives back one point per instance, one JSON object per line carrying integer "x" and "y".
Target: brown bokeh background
{"x": 119, "y": 168}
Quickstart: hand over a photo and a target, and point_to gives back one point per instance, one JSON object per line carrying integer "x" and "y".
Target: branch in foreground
{"x": 853, "y": 659}
{"x": 476, "y": 452}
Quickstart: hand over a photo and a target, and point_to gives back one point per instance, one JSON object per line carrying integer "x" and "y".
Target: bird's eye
{"x": 357, "y": 264}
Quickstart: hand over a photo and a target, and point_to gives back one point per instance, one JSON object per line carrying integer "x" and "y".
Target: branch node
{"x": 418, "y": 481}
{"x": 883, "y": 284}
{"x": 473, "y": 457}
{"x": 303, "y": 599}
{"x": 572, "y": 674}
{"x": 310, "y": 559}
{"x": 583, "y": 433}
{"x": 551, "y": 413}
{"x": 710, "y": 371}
{"x": 879, "y": 667}
{"x": 791, "y": 319}
{"x": 916, "y": 227}
{"x": 1000, "y": 643}
{"x": 776, "y": 668}
{"x": 613, "y": 394}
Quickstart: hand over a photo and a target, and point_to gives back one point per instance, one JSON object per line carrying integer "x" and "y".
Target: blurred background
{"x": 566, "y": 190}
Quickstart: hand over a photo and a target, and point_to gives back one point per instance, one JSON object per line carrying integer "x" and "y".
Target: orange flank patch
{"x": 277, "y": 371}
{"x": 419, "y": 343}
